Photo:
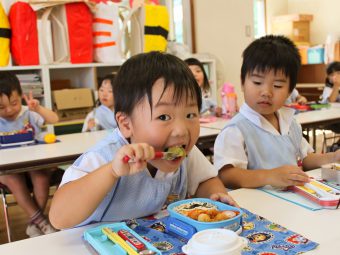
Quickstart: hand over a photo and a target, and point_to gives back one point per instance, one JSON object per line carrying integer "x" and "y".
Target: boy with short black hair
{"x": 157, "y": 104}
{"x": 263, "y": 144}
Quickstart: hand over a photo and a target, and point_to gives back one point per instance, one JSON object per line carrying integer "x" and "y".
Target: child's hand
{"x": 218, "y": 111}
{"x": 287, "y": 175}
{"x": 139, "y": 152}
{"x": 301, "y": 100}
{"x": 336, "y": 80}
{"x": 91, "y": 124}
{"x": 33, "y": 104}
{"x": 224, "y": 198}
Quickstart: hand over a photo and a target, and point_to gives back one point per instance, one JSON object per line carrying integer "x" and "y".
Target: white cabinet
{"x": 210, "y": 69}
{"x": 80, "y": 75}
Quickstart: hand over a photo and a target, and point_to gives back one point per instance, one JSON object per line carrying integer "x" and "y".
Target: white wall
{"x": 220, "y": 28}
{"x": 326, "y": 15}
{"x": 275, "y": 8}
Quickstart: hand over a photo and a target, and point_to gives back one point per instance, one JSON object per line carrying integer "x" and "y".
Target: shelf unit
{"x": 311, "y": 81}
{"x": 86, "y": 76}
{"x": 80, "y": 75}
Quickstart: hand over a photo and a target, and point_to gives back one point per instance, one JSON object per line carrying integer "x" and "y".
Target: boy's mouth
{"x": 265, "y": 103}
{"x": 176, "y": 152}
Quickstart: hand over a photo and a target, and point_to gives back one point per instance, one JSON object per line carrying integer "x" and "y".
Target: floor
{"x": 19, "y": 219}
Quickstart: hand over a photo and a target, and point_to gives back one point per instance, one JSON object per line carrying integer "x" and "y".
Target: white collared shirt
{"x": 230, "y": 143}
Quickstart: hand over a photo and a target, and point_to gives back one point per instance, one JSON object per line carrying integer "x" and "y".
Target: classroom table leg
{"x": 314, "y": 138}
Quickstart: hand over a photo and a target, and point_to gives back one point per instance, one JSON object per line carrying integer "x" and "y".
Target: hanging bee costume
{"x": 5, "y": 34}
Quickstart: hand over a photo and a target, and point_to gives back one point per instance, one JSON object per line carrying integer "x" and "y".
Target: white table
{"x": 27, "y": 158}
{"x": 319, "y": 117}
{"x": 319, "y": 226}
{"x": 219, "y": 124}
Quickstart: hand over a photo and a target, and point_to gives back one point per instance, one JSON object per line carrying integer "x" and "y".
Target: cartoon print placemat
{"x": 265, "y": 237}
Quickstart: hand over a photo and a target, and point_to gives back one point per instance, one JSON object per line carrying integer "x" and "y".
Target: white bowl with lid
{"x": 215, "y": 242}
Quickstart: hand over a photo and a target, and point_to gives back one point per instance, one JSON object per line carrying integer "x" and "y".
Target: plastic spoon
{"x": 171, "y": 154}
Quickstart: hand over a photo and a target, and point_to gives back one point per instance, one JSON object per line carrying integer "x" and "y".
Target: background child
{"x": 263, "y": 143}
{"x": 157, "y": 104}
{"x": 208, "y": 104}
{"x": 331, "y": 91}
{"x": 15, "y": 117}
{"x": 102, "y": 117}
{"x": 295, "y": 97}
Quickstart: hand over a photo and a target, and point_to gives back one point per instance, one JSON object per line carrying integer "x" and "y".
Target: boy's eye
{"x": 192, "y": 115}
{"x": 278, "y": 85}
{"x": 257, "y": 82}
{"x": 164, "y": 117}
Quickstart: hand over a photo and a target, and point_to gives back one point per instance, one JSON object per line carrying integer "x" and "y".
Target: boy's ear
{"x": 124, "y": 124}
{"x": 242, "y": 87}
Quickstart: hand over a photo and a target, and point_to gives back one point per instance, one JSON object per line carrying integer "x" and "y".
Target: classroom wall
{"x": 221, "y": 28}
{"x": 275, "y": 8}
{"x": 326, "y": 15}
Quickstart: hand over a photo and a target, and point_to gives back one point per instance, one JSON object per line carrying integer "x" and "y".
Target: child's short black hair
{"x": 272, "y": 52}
{"x": 331, "y": 68}
{"x": 9, "y": 83}
{"x": 109, "y": 77}
{"x": 136, "y": 77}
{"x": 196, "y": 62}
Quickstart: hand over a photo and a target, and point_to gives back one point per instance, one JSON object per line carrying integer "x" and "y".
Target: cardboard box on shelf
{"x": 294, "y": 26}
{"x": 73, "y": 114}
{"x": 72, "y": 103}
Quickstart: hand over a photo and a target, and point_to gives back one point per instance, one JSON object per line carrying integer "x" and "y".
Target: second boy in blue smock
{"x": 263, "y": 143}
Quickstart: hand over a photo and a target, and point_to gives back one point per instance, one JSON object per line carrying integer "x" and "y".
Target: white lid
{"x": 213, "y": 242}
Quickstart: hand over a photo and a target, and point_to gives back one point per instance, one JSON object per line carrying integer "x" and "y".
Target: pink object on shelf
{"x": 229, "y": 100}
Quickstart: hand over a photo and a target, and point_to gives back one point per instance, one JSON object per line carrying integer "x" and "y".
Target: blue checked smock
{"x": 24, "y": 118}
{"x": 104, "y": 118}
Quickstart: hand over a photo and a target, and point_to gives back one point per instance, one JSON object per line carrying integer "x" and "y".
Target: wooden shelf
{"x": 80, "y": 76}
{"x": 311, "y": 81}
{"x": 69, "y": 122}
{"x": 315, "y": 73}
